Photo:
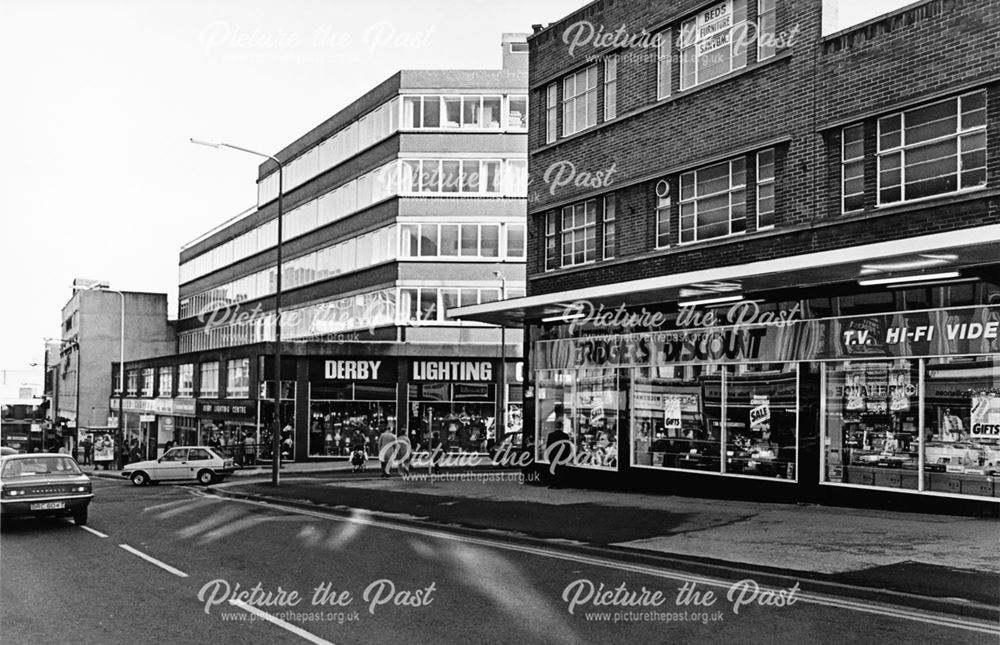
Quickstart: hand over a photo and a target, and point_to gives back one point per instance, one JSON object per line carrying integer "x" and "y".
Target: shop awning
{"x": 929, "y": 254}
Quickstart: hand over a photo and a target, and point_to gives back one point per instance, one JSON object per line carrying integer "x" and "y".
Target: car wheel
{"x": 140, "y": 478}
{"x": 80, "y": 516}
{"x": 205, "y": 477}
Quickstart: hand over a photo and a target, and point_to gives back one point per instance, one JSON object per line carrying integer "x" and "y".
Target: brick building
{"x": 762, "y": 260}
{"x": 407, "y": 202}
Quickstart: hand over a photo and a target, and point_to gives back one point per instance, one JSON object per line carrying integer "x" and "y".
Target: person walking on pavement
{"x": 436, "y": 447}
{"x": 555, "y": 444}
{"x": 386, "y": 450}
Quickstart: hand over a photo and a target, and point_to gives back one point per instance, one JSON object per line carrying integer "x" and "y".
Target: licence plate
{"x": 48, "y": 506}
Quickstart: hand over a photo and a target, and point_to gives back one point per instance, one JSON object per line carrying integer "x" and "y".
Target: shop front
{"x": 229, "y": 425}
{"x": 902, "y": 401}
{"x": 453, "y": 402}
{"x": 351, "y": 400}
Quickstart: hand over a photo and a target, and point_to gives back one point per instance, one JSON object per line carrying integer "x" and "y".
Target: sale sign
{"x": 760, "y": 412}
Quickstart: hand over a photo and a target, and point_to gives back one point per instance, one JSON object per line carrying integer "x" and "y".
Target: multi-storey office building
{"x": 409, "y": 201}
{"x": 85, "y": 383}
{"x": 836, "y": 194}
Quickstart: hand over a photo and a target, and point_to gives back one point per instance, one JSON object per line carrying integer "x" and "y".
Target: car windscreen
{"x": 39, "y": 466}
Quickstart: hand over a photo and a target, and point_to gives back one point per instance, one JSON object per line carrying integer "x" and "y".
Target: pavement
{"x": 947, "y": 563}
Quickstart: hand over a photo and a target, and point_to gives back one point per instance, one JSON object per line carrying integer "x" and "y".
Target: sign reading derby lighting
{"x": 352, "y": 370}
{"x": 465, "y": 371}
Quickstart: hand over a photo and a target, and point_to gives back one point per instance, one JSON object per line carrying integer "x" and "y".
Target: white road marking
{"x": 162, "y": 565}
{"x": 90, "y": 530}
{"x": 298, "y": 631}
{"x": 816, "y": 599}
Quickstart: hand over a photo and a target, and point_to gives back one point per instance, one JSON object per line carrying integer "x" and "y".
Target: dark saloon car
{"x": 43, "y": 484}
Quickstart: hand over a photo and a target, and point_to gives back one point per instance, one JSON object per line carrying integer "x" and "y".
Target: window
{"x": 710, "y": 43}
{"x": 662, "y": 214}
{"x": 579, "y": 227}
{"x": 551, "y": 242}
{"x": 765, "y": 189}
{"x": 609, "y": 227}
{"x": 185, "y": 380}
{"x": 517, "y": 112}
{"x": 713, "y": 201}
{"x": 551, "y": 110}
{"x": 932, "y": 150}
{"x": 580, "y": 101}
{"x": 132, "y": 385}
{"x": 238, "y": 378}
{"x": 209, "y": 380}
{"x": 663, "y": 65}
{"x": 765, "y": 29}
{"x": 147, "y": 381}
{"x": 515, "y": 240}
{"x": 610, "y": 88}
{"x": 166, "y": 377}
{"x": 852, "y": 153}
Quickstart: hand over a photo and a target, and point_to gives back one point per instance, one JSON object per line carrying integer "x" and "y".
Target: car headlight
{"x": 13, "y": 493}
{"x": 81, "y": 489}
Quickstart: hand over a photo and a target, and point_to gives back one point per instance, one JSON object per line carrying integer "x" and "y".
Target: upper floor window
{"x": 663, "y": 65}
{"x": 209, "y": 386}
{"x": 166, "y": 386}
{"x": 147, "y": 381}
{"x": 609, "y": 227}
{"x": 663, "y": 238}
{"x": 470, "y": 111}
{"x": 933, "y": 149}
{"x": 610, "y": 88}
{"x": 580, "y": 101}
{"x": 551, "y": 112}
{"x": 765, "y": 29}
{"x": 852, "y": 167}
{"x": 551, "y": 241}
{"x": 517, "y": 112}
{"x": 579, "y": 233}
{"x": 710, "y": 43}
{"x": 460, "y": 240}
{"x": 765, "y": 189}
{"x": 185, "y": 380}
{"x": 238, "y": 378}
{"x": 713, "y": 201}
{"x": 132, "y": 380}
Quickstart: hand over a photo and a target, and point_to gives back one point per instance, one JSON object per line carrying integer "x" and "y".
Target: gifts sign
{"x": 672, "y": 412}
{"x": 985, "y": 416}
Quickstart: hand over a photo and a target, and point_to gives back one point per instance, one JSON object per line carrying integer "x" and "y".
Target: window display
{"x": 761, "y": 420}
{"x": 584, "y": 404}
{"x": 461, "y": 414}
{"x": 962, "y": 425}
{"x": 339, "y": 409}
{"x": 871, "y": 420}
{"x": 676, "y": 417}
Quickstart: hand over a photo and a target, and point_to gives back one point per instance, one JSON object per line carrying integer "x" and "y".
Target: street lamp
{"x": 276, "y": 434}
{"x": 106, "y": 286}
{"x": 502, "y": 396}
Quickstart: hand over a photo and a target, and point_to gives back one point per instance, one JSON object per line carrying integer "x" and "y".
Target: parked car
{"x": 6, "y": 450}
{"x": 182, "y": 464}
{"x": 43, "y": 484}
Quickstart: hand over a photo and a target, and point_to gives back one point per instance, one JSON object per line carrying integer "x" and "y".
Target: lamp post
{"x": 502, "y": 395}
{"x": 276, "y": 433}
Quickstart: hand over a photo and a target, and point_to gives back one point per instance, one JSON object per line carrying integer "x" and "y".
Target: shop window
{"x": 346, "y": 415}
{"x": 585, "y": 405}
{"x": 867, "y": 303}
{"x": 962, "y": 432}
{"x": 871, "y": 420}
{"x": 580, "y": 101}
{"x": 462, "y": 415}
{"x": 676, "y": 417}
{"x": 713, "y": 201}
{"x": 711, "y": 44}
{"x": 933, "y": 149}
{"x": 761, "y": 420}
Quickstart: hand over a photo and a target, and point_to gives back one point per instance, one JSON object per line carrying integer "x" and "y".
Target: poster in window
{"x": 760, "y": 412}
{"x": 672, "y": 414}
{"x": 855, "y": 391}
{"x": 900, "y": 390}
{"x": 877, "y": 384}
{"x": 985, "y": 416}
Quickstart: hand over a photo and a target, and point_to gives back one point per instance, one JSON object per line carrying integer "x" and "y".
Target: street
{"x": 174, "y": 564}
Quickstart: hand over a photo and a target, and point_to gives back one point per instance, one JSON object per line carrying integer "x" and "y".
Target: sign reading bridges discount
{"x": 896, "y": 335}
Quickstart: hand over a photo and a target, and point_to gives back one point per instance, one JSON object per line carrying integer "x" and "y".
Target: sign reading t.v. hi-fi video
{"x": 951, "y": 332}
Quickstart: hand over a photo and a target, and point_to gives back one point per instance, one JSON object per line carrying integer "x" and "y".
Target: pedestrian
{"x": 436, "y": 447}
{"x": 358, "y": 456}
{"x": 557, "y": 445}
{"x": 386, "y": 450}
{"x": 88, "y": 445}
{"x": 403, "y": 460}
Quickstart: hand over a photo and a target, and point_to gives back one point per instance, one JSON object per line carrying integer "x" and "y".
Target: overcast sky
{"x": 100, "y": 97}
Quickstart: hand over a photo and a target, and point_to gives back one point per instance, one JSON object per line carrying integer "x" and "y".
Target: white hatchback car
{"x": 184, "y": 463}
